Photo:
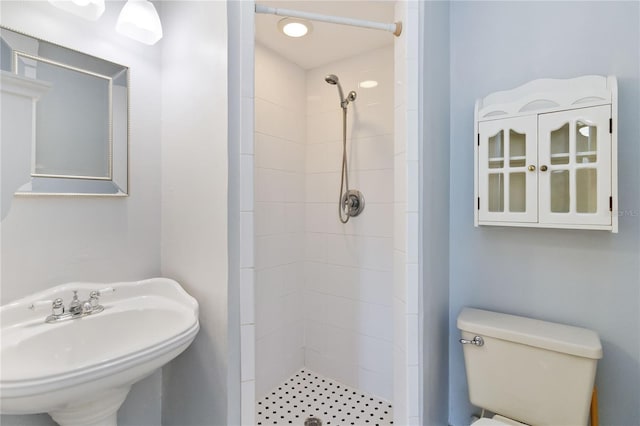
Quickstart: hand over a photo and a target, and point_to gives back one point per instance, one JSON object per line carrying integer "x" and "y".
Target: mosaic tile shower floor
{"x": 307, "y": 394}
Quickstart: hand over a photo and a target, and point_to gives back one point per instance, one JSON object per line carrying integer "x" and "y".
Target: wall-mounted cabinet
{"x": 546, "y": 155}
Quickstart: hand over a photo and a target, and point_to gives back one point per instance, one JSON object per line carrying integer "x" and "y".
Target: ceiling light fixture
{"x": 87, "y": 9}
{"x": 139, "y": 20}
{"x": 293, "y": 27}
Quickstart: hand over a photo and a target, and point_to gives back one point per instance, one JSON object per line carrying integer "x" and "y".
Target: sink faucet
{"x": 77, "y": 308}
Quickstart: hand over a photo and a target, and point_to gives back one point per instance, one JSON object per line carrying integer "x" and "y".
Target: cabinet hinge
{"x": 478, "y": 139}
{"x": 478, "y": 203}
{"x": 610, "y": 204}
{"x": 611, "y": 125}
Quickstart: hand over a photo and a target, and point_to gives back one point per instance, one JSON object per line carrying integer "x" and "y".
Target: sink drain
{"x": 313, "y": 421}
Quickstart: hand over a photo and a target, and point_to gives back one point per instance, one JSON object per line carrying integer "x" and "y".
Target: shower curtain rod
{"x": 395, "y": 28}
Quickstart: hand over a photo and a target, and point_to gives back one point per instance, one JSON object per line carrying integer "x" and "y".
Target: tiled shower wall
{"x": 280, "y": 104}
{"x": 324, "y": 290}
{"x": 348, "y": 268}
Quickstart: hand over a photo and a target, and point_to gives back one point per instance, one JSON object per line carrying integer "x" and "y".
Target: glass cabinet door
{"x": 575, "y": 166}
{"x": 507, "y": 157}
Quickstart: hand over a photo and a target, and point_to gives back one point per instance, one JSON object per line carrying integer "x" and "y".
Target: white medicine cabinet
{"x": 546, "y": 155}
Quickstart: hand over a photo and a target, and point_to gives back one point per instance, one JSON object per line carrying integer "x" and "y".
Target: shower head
{"x": 334, "y": 80}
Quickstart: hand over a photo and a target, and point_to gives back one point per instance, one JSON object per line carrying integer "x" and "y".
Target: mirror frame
{"x": 117, "y": 183}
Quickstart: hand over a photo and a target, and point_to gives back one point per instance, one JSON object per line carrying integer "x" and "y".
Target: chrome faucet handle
{"x": 57, "y": 308}
{"x": 94, "y": 296}
{"x": 57, "y": 305}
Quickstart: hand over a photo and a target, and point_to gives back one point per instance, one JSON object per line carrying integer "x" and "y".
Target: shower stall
{"x": 333, "y": 333}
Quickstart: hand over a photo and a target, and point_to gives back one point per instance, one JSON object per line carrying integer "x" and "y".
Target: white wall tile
{"x": 246, "y": 183}
{"x": 246, "y": 240}
{"x": 280, "y": 157}
{"x": 269, "y": 218}
{"x": 399, "y": 275}
{"x": 412, "y": 287}
{"x": 400, "y": 227}
{"x": 315, "y": 277}
{"x": 247, "y": 351}
{"x": 316, "y": 188}
{"x": 413, "y": 245}
{"x": 316, "y": 161}
{"x": 248, "y": 404}
{"x": 248, "y": 122}
{"x": 413, "y": 144}
{"x": 413, "y": 339}
{"x": 413, "y": 186}
{"x": 375, "y": 321}
{"x": 376, "y": 185}
{"x": 376, "y": 383}
{"x": 247, "y": 296}
{"x": 315, "y": 247}
{"x": 372, "y": 153}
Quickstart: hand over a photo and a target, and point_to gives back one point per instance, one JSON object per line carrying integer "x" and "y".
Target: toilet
{"x": 527, "y": 371}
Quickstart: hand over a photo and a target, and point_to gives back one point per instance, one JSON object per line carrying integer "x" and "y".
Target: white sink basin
{"x": 80, "y": 370}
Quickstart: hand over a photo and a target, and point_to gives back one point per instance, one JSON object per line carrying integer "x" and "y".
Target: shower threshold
{"x": 307, "y": 395}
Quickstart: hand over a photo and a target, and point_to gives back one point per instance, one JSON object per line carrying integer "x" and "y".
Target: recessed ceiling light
{"x": 368, "y": 84}
{"x": 294, "y": 27}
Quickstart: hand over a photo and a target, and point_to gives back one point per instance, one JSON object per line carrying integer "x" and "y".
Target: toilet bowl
{"x": 528, "y": 371}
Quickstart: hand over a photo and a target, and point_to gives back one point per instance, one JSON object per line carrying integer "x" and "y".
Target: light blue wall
{"x": 435, "y": 222}
{"x": 585, "y": 278}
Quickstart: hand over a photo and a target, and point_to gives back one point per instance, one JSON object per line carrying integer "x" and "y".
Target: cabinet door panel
{"x": 506, "y": 187}
{"x": 575, "y": 148}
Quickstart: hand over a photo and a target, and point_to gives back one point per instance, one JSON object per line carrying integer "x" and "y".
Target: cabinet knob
{"x": 532, "y": 168}
{"x": 543, "y": 168}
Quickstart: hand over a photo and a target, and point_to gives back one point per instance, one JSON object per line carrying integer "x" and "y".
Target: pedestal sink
{"x": 80, "y": 370}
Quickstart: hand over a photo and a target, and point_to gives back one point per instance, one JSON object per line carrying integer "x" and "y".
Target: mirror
{"x": 79, "y": 120}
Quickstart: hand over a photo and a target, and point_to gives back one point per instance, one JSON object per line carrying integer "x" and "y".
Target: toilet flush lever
{"x": 477, "y": 340}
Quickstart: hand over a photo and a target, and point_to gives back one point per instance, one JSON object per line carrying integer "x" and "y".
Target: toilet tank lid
{"x": 528, "y": 331}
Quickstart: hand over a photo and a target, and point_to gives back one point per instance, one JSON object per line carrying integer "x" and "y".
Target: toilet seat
{"x": 485, "y": 421}
{"x": 497, "y": 420}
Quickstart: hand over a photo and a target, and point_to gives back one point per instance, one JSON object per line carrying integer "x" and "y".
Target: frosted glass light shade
{"x": 139, "y": 20}
{"x": 293, "y": 27}
{"x": 87, "y": 9}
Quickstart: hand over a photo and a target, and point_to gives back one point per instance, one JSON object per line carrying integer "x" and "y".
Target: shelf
{"x": 516, "y": 158}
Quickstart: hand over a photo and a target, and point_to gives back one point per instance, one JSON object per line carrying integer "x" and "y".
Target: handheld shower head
{"x": 334, "y": 80}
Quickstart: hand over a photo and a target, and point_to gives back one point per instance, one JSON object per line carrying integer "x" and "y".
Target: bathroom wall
{"x": 194, "y": 206}
{"x": 280, "y": 105}
{"x": 435, "y": 208}
{"x": 348, "y": 268}
{"x": 53, "y": 240}
{"x": 584, "y": 278}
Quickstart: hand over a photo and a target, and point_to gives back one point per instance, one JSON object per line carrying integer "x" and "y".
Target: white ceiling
{"x": 327, "y": 42}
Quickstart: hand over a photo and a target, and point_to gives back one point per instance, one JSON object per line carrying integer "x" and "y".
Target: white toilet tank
{"x": 536, "y": 372}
